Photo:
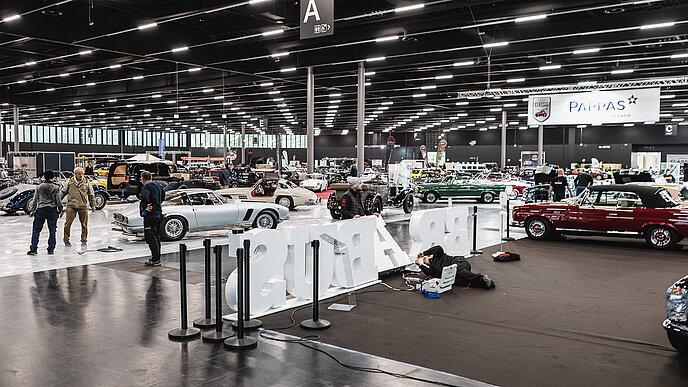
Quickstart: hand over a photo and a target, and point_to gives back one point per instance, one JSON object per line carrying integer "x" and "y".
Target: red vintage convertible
{"x": 611, "y": 210}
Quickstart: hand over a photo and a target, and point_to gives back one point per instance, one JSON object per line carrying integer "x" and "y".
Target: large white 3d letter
{"x": 427, "y": 230}
{"x": 388, "y": 254}
{"x": 359, "y": 237}
{"x": 298, "y": 271}
{"x": 456, "y": 225}
{"x": 268, "y": 254}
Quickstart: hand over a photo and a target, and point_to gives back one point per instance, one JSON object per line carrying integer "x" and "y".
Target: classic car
{"x": 376, "y": 194}
{"x": 611, "y": 210}
{"x": 201, "y": 209}
{"x": 334, "y": 178}
{"x": 244, "y": 176}
{"x": 676, "y": 323}
{"x": 20, "y": 197}
{"x": 678, "y": 191}
{"x": 124, "y": 178}
{"x": 485, "y": 191}
{"x": 315, "y": 182}
{"x": 282, "y": 192}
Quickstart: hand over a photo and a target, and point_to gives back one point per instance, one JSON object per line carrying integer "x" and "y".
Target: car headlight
{"x": 677, "y": 304}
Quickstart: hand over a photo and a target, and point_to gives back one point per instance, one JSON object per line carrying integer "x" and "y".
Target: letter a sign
{"x": 317, "y": 18}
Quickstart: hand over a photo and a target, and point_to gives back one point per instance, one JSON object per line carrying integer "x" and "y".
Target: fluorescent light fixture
{"x": 21, "y": 81}
{"x": 418, "y": 95}
{"x": 274, "y": 92}
{"x": 386, "y": 39}
{"x": 279, "y": 54}
{"x": 515, "y": 80}
{"x": 11, "y": 18}
{"x": 530, "y": 18}
{"x": 131, "y": 105}
{"x": 180, "y": 49}
{"x": 667, "y": 96}
{"x": 32, "y": 63}
{"x": 336, "y": 95}
{"x": 658, "y": 25}
{"x": 147, "y": 26}
{"x": 679, "y": 56}
{"x": 370, "y": 73}
{"x": 628, "y": 125}
{"x": 510, "y": 105}
{"x": 85, "y": 52}
{"x": 550, "y": 67}
{"x": 462, "y": 103}
{"x": 91, "y": 84}
{"x": 496, "y": 109}
{"x": 64, "y": 75}
{"x": 679, "y": 105}
{"x": 495, "y": 44}
{"x": 649, "y": 122}
{"x": 137, "y": 77}
{"x": 208, "y": 90}
{"x": 586, "y": 51}
{"x": 288, "y": 69}
{"x": 464, "y": 63}
{"x": 193, "y": 70}
{"x": 440, "y": 77}
{"x": 622, "y": 71}
{"x": 409, "y": 8}
{"x": 587, "y": 83}
{"x": 156, "y": 96}
{"x": 429, "y": 87}
{"x": 375, "y": 59}
{"x": 266, "y": 84}
{"x": 273, "y": 32}
{"x": 112, "y": 100}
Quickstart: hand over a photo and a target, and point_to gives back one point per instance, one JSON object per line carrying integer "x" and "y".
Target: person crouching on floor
{"x": 434, "y": 259}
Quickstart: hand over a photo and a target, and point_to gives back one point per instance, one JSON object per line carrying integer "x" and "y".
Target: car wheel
{"x": 101, "y": 200}
{"x": 8, "y": 192}
{"x": 487, "y": 197}
{"x": 173, "y": 228}
{"x": 27, "y": 206}
{"x": 377, "y": 206}
{"x": 431, "y": 197}
{"x": 265, "y": 220}
{"x": 678, "y": 342}
{"x": 335, "y": 214}
{"x": 408, "y": 203}
{"x": 661, "y": 237}
{"x": 285, "y": 201}
{"x": 539, "y": 228}
{"x": 513, "y": 195}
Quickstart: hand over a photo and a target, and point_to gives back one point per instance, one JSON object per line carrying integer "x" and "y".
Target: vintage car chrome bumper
{"x": 127, "y": 230}
{"x": 676, "y": 328}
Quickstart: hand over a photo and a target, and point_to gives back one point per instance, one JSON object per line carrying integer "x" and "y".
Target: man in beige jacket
{"x": 80, "y": 198}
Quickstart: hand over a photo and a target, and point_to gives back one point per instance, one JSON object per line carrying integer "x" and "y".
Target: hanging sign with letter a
{"x": 317, "y": 18}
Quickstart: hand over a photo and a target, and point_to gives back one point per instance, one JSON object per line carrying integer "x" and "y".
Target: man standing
{"x": 583, "y": 181}
{"x": 45, "y": 206}
{"x": 80, "y": 199}
{"x": 559, "y": 186}
{"x": 224, "y": 176}
{"x": 354, "y": 171}
{"x": 89, "y": 169}
{"x": 152, "y": 196}
{"x": 352, "y": 205}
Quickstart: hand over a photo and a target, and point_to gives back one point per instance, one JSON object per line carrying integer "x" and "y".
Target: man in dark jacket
{"x": 352, "y": 205}
{"x": 45, "y": 206}
{"x": 434, "y": 259}
{"x": 152, "y": 196}
{"x": 354, "y": 171}
{"x": 224, "y": 176}
{"x": 583, "y": 181}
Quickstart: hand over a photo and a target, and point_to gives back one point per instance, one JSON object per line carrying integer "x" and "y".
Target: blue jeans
{"x": 579, "y": 189}
{"x": 39, "y": 218}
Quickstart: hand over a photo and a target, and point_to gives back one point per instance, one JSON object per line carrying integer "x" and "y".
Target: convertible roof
{"x": 645, "y": 193}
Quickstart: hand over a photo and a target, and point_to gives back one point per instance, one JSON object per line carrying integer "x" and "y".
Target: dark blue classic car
{"x": 21, "y": 201}
{"x": 676, "y": 323}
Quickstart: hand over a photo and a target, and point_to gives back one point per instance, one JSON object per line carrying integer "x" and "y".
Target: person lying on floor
{"x": 434, "y": 259}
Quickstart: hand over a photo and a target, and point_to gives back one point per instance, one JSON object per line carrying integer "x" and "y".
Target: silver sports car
{"x": 201, "y": 209}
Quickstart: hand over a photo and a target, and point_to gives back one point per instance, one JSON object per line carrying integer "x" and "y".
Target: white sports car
{"x": 201, "y": 209}
{"x": 315, "y": 182}
{"x": 282, "y": 192}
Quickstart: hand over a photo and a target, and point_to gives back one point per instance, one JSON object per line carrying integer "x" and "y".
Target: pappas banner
{"x": 596, "y": 107}
{"x": 317, "y": 18}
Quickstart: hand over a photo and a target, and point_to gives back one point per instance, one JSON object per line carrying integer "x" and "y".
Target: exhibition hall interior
{"x": 343, "y": 193}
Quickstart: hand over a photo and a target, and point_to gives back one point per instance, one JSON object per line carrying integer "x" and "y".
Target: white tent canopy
{"x": 146, "y": 157}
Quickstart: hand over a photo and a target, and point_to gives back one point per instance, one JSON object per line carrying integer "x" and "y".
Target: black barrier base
{"x": 237, "y": 343}
{"x": 215, "y": 336}
{"x": 315, "y": 325}
{"x": 249, "y": 324}
{"x": 204, "y": 323}
{"x": 508, "y": 239}
{"x": 476, "y": 252}
{"x": 180, "y": 334}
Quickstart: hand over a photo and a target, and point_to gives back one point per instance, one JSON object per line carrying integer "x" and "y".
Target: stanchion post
{"x": 184, "y": 333}
{"x": 316, "y": 323}
{"x": 240, "y": 341}
{"x": 507, "y": 238}
{"x": 208, "y": 321}
{"x": 219, "y": 334}
{"x": 475, "y": 250}
{"x": 249, "y": 323}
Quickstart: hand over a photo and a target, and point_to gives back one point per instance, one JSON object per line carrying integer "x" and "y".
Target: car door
{"x": 606, "y": 215}
{"x": 447, "y": 188}
{"x": 582, "y": 214}
{"x": 205, "y": 210}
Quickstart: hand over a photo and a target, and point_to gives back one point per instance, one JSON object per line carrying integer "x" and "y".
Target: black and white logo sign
{"x": 542, "y": 107}
{"x": 317, "y": 18}
{"x": 670, "y": 130}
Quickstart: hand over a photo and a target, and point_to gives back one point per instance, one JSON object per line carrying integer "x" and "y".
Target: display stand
{"x": 219, "y": 334}
{"x": 343, "y": 250}
{"x": 208, "y": 321}
{"x": 185, "y": 333}
{"x": 316, "y": 323}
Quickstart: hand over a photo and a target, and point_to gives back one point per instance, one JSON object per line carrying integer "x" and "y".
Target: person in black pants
{"x": 152, "y": 196}
{"x": 559, "y": 186}
{"x": 434, "y": 259}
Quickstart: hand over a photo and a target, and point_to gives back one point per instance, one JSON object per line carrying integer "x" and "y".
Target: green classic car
{"x": 483, "y": 190}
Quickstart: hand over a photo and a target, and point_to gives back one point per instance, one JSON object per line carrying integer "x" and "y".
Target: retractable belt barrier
{"x": 219, "y": 334}
{"x": 316, "y": 323}
{"x": 240, "y": 341}
{"x": 185, "y": 333}
{"x": 208, "y": 321}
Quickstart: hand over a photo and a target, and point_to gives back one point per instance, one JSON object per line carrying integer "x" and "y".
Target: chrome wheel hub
{"x": 660, "y": 237}
{"x": 537, "y": 228}
{"x": 265, "y": 221}
{"x": 173, "y": 228}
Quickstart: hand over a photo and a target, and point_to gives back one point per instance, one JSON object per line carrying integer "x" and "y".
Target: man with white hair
{"x": 80, "y": 197}
{"x": 352, "y": 205}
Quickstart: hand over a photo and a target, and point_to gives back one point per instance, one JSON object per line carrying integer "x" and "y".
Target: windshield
{"x": 666, "y": 196}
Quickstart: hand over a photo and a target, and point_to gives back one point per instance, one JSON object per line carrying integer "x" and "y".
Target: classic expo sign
{"x": 317, "y": 18}
{"x": 596, "y": 107}
{"x": 352, "y": 253}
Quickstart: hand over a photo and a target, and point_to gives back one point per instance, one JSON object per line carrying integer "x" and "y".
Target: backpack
{"x": 507, "y": 257}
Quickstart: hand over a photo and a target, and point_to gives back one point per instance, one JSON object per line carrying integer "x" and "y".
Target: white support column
{"x": 541, "y": 146}
{"x": 16, "y": 128}
{"x": 503, "y": 152}
{"x": 310, "y": 120}
{"x": 360, "y": 134}
{"x": 224, "y": 144}
{"x": 243, "y": 144}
